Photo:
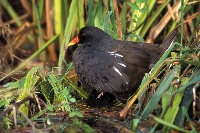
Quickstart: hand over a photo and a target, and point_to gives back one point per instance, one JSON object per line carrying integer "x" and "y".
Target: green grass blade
{"x": 153, "y": 18}
{"x": 37, "y": 16}
{"x": 113, "y": 21}
{"x": 79, "y": 90}
{"x": 59, "y": 12}
{"x": 90, "y": 12}
{"x": 85, "y": 127}
{"x": 98, "y": 18}
{"x": 158, "y": 94}
{"x": 158, "y": 120}
{"x": 42, "y": 112}
{"x": 173, "y": 108}
{"x": 71, "y": 23}
{"x": 40, "y": 8}
{"x": 106, "y": 21}
{"x": 30, "y": 81}
{"x": 193, "y": 81}
{"x": 123, "y": 17}
{"x": 187, "y": 99}
{"x": 11, "y": 11}
{"x": 81, "y": 22}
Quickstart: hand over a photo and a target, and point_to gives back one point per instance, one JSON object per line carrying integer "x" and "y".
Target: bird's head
{"x": 90, "y": 35}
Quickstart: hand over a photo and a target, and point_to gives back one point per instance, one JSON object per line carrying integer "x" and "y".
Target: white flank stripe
{"x": 122, "y": 64}
{"x": 116, "y": 70}
{"x": 119, "y": 55}
{"x": 112, "y": 52}
{"x": 115, "y": 54}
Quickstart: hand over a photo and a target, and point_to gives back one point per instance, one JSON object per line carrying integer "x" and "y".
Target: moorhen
{"x": 111, "y": 68}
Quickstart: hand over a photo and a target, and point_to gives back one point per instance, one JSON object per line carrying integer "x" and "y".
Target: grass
{"x": 38, "y": 93}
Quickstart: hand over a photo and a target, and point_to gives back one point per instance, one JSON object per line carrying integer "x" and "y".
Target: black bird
{"x": 111, "y": 68}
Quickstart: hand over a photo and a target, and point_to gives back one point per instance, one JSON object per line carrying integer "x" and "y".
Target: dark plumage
{"x": 113, "y": 66}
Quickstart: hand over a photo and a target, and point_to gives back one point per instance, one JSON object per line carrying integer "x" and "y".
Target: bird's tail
{"x": 168, "y": 41}
{"x": 156, "y": 51}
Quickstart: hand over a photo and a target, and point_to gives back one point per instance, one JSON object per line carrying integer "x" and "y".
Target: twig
{"x": 29, "y": 121}
{"x": 37, "y": 100}
{"x": 10, "y": 108}
{"x": 15, "y": 119}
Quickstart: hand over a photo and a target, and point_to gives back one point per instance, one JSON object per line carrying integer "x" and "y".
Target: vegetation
{"x": 39, "y": 88}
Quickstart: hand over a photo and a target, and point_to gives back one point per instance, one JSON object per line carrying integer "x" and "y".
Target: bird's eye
{"x": 83, "y": 34}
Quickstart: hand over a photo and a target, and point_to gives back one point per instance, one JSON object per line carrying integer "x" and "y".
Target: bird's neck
{"x": 106, "y": 43}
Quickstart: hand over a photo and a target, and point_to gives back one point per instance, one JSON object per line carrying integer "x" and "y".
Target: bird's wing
{"x": 124, "y": 68}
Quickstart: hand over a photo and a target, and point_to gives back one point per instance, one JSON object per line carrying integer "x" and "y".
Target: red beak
{"x": 74, "y": 41}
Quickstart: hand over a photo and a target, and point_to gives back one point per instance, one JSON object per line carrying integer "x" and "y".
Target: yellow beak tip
{"x": 70, "y": 44}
